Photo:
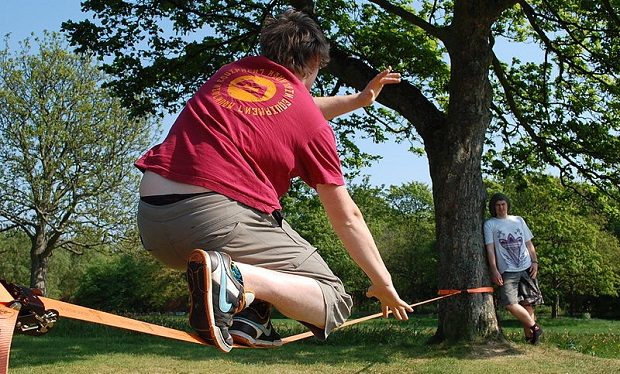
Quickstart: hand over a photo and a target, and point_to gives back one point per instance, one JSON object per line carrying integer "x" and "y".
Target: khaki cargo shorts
{"x": 214, "y": 222}
{"x": 520, "y": 288}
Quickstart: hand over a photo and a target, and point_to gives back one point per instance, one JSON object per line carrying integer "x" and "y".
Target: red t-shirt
{"x": 246, "y": 133}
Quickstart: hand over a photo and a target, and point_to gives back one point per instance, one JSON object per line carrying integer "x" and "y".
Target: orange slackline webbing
{"x": 91, "y": 315}
{"x": 308, "y": 334}
{"x": 8, "y": 318}
{"x": 468, "y": 290}
{"x": 443, "y": 294}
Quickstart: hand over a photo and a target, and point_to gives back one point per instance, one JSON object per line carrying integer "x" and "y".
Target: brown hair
{"x": 294, "y": 40}
{"x": 498, "y": 196}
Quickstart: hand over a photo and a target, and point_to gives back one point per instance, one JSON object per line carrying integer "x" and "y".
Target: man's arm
{"x": 348, "y": 222}
{"x": 334, "y": 106}
{"x": 533, "y": 257}
{"x": 496, "y": 277}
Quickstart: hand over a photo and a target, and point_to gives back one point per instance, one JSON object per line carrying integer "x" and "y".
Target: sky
{"x": 21, "y": 18}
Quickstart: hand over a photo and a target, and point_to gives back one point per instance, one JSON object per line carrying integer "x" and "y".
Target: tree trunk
{"x": 39, "y": 261}
{"x": 555, "y": 308}
{"x": 455, "y": 151}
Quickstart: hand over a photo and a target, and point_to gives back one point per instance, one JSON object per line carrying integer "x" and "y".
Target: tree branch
{"x": 404, "y": 98}
{"x": 546, "y": 146}
{"x": 438, "y": 32}
{"x": 530, "y": 13}
{"x": 612, "y": 12}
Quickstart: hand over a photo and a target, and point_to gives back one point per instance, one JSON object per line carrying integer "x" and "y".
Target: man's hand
{"x": 534, "y": 270}
{"x": 374, "y": 87}
{"x": 390, "y": 300}
{"x": 496, "y": 277}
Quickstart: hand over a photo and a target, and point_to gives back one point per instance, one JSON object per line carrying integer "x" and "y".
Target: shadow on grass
{"x": 370, "y": 343}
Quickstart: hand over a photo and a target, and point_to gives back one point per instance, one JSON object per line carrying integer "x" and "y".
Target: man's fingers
{"x": 390, "y": 78}
{"x": 400, "y": 313}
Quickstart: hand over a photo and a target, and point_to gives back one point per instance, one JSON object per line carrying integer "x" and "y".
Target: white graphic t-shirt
{"x": 509, "y": 236}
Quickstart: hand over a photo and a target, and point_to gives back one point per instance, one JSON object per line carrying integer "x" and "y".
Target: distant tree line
{"x": 578, "y": 250}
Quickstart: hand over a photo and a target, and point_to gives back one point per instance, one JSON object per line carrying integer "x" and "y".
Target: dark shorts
{"x": 520, "y": 288}
{"x": 214, "y": 222}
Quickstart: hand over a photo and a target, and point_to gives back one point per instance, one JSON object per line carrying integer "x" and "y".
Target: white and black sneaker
{"x": 252, "y": 327}
{"x": 215, "y": 296}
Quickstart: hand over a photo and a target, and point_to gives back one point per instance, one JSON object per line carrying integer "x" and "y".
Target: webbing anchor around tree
{"x": 466, "y": 291}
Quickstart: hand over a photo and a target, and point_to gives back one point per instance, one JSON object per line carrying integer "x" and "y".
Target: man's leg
{"x": 509, "y": 298}
{"x": 530, "y": 296}
{"x": 296, "y": 297}
{"x": 522, "y": 314}
{"x": 526, "y": 329}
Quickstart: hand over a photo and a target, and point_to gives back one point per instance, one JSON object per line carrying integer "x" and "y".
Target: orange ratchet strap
{"x": 8, "y": 318}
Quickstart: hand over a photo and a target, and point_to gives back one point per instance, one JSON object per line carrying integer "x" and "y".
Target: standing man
{"x": 215, "y": 182}
{"x": 513, "y": 264}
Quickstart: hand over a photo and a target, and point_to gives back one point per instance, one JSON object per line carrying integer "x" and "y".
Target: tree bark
{"x": 455, "y": 151}
{"x": 39, "y": 261}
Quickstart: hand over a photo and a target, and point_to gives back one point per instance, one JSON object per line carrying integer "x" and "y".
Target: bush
{"x": 133, "y": 283}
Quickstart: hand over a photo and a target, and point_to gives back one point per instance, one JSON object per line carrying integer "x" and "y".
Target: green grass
{"x": 378, "y": 346}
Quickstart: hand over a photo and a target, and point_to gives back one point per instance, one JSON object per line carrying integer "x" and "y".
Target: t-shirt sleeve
{"x": 488, "y": 232}
{"x": 527, "y": 234}
{"x": 318, "y": 161}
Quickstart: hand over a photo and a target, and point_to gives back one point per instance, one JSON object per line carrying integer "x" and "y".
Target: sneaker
{"x": 252, "y": 327}
{"x": 537, "y": 331}
{"x": 215, "y": 296}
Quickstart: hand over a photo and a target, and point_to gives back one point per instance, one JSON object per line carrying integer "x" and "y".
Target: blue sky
{"x": 23, "y": 17}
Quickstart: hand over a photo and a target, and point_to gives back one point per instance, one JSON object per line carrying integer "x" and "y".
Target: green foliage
{"x": 14, "y": 260}
{"x": 562, "y": 111}
{"x": 401, "y": 221}
{"x": 132, "y": 282}
{"x": 66, "y": 152}
{"x": 66, "y": 269}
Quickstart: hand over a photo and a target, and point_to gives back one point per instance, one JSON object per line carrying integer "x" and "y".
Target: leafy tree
{"x": 66, "y": 153}
{"x": 65, "y": 269}
{"x": 457, "y": 97}
{"x": 409, "y": 240}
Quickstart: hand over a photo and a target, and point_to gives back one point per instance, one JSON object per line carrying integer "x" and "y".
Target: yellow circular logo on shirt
{"x": 251, "y": 88}
{"x": 252, "y": 92}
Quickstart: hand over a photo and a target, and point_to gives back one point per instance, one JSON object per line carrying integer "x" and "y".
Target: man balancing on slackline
{"x": 214, "y": 183}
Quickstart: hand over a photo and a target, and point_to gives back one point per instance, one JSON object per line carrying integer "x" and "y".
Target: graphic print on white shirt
{"x": 512, "y": 244}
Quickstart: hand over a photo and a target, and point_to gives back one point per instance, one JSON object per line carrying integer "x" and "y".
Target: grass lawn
{"x": 377, "y": 346}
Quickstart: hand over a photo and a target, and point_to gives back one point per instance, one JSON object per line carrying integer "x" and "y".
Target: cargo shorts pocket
{"x": 302, "y": 257}
{"x": 219, "y": 238}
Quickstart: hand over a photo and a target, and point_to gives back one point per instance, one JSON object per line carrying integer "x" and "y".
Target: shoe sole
{"x": 244, "y": 339}
{"x": 201, "y": 276}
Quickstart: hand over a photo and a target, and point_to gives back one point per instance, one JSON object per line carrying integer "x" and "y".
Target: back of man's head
{"x": 294, "y": 40}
